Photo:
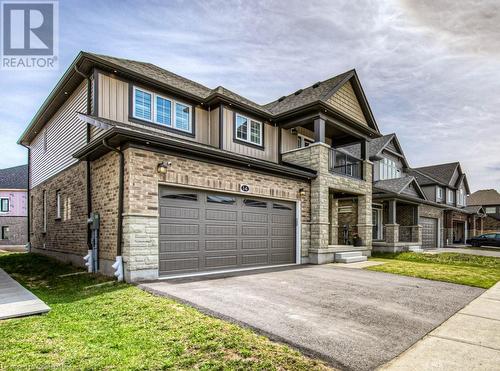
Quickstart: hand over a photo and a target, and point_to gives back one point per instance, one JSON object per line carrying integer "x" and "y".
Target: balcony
{"x": 344, "y": 164}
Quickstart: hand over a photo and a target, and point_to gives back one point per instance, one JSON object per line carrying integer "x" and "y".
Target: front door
{"x": 377, "y": 224}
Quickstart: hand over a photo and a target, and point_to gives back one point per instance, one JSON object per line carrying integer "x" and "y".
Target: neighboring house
{"x": 446, "y": 184}
{"x": 489, "y": 200}
{"x": 13, "y": 205}
{"x": 188, "y": 179}
{"x": 403, "y": 217}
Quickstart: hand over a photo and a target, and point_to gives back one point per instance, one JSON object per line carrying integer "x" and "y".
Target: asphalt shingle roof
{"x": 374, "y": 146}
{"x": 421, "y": 178}
{"x": 320, "y": 91}
{"x": 396, "y": 185}
{"x": 484, "y": 197}
{"x": 442, "y": 172}
{"x": 14, "y": 177}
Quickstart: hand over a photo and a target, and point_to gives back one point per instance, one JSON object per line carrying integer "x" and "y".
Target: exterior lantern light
{"x": 302, "y": 192}
{"x": 163, "y": 167}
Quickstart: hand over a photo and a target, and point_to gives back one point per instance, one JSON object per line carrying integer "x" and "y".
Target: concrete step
{"x": 415, "y": 249}
{"x": 347, "y": 254}
{"x": 351, "y": 259}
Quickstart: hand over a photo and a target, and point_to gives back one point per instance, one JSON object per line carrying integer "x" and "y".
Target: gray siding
{"x": 65, "y": 134}
{"x": 430, "y": 192}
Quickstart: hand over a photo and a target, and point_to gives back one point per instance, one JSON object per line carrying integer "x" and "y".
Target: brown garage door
{"x": 429, "y": 233}
{"x": 206, "y": 231}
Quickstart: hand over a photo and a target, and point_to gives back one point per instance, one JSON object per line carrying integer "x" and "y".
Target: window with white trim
{"x": 461, "y": 197}
{"x": 388, "y": 169}
{"x": 248, "y": 130}
{"x": 490, "y": 210}
{"x": 58, "y": 205}
{"x": 450, "y": 196}
{"x": 161, "y": 110}
{"x": 4, "y": 205}
{"x": 439, "y": 195}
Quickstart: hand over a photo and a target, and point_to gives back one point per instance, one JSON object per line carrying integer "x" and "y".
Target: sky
{"x": 430, "y": 69}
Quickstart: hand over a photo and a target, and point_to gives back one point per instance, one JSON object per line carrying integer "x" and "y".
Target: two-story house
{"x": 447, "y": 184}
{"x": 489, "y": 201}
{"x": 187, "y": 179}
{"x": 14, "y": 205}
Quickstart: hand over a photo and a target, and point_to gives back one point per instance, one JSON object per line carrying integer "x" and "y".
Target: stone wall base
{"x": 396, "y": 247}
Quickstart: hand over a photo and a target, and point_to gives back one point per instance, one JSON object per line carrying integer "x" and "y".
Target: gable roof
{"x": 484, "y": 197}
{"x": 398, "y": 185}
{"x": 441, "y": 172}
{"x": 14, "y": 177}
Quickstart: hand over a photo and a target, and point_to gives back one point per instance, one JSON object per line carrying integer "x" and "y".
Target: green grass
{"x": 464, "y": 269}
{"x": 96, "y": 323}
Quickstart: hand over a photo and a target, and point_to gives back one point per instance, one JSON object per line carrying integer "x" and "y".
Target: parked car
{"x": 489, "y": 239}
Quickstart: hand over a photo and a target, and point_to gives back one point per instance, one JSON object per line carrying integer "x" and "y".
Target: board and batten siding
{"x": 113, "y": 104}
{"x": 64, "y": 133}
{"x": 268, "y": 153}
{"x": 345, "y": 101}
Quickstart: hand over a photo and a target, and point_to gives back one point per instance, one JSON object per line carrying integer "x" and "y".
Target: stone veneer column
{"x": 391, "y": 233}
{"x": 334, "y": 221}
{"x": 365, "y": 225}
{"x": 320, "y": 223}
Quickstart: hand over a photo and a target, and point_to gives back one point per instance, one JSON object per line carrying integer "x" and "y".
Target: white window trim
{"x": 449, "y": 196}
{"x": 388, "y": 169}
{"x": 489, "y": 208}
{"x": 174, "y": 102}
{"x": 8, "y": 204}
{"x": 58, "y": 205}
{"x": 439, "y": 193}
{"x": 249, "y": 124}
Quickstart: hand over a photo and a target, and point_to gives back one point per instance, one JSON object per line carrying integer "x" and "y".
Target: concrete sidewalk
{"x": 493, "y": 252}
{"x": 469, "y": 340}
{"x": 16, "y": 301}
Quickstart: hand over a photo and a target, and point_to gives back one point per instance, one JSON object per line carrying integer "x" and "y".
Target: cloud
{"x": 430, "y": 69}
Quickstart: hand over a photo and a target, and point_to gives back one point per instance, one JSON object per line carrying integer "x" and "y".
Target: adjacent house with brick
{"x": 14, "y": 206}
{"x": 489, "y": 201}
{"x": 178, "y": 178}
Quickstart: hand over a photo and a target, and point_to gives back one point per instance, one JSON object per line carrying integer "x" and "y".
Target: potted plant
{"x": 356, "y": 240}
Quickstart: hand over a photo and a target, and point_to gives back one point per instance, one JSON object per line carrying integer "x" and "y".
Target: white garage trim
{"x": 298, "y": 232}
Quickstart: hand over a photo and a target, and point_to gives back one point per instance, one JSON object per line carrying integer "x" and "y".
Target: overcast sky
{"x": 430, "y": 69}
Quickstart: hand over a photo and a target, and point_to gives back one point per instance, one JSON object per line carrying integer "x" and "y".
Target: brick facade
{"x": 18, "y": 230}
{"x": 140, "y": 249}
{"x": 67, "y": 235}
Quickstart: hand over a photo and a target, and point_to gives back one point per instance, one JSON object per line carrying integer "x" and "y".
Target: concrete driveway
{"x": 352, "y": 318}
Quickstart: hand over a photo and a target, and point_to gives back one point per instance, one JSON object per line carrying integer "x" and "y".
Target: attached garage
{"x": 429, "y": 233}
{"x": 203, "y": 231}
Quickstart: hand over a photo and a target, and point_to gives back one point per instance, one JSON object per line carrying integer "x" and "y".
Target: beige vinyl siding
{"x": 270, "y": 151}
{"x": 65, "y": 134}
{"x": 289, "y": 141}
{"x": 214, "y": 127}
{"x": 345, "y": 101}
{"x": 113, "y": 101}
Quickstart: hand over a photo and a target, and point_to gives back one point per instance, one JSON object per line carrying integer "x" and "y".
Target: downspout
{"x": 88, "y": 177}
{"x": 28, "y": 200}
{"x": 118, "y": 265}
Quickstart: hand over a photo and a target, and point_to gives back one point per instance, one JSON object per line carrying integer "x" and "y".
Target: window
{"x": 254, "y": 203}
{"x": 439, "y": 193}
{"x": 44, "y": 209}
{"x": 490, "y": 210}
{"x": 160, "y": 110}
{"x": 281, "y": 207}
{"x": 227, "y": 200}
{"x": 248, "y": 130}
{"x": 4, "y": 205}
{"x": 388, "y": 169}
{"x": 5, "y": 233}
{"x": 58, "y": 205}
{"x": 461, "y": 197}
{"x": 303, "y": 141}
{"x": 450, "y": 196}
{"x": 182, "y": 196}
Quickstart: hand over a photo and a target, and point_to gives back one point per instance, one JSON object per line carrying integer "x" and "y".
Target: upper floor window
{"x": 388, "y": 169}
{"x": 450, "y": 196}
{"x": 490, "y": 210}
{"x": 461, "y": 197}
{"x": 4, "y": 205}
{"x": 439, "y": 193}
{"x": 248, "y": 130}
{"x": 58, "y": 205}
{"x": 161, "y": 110}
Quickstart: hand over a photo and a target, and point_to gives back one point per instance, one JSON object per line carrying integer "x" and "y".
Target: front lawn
{"x": 471, "y": 270}
{"x": 96, "y": 323}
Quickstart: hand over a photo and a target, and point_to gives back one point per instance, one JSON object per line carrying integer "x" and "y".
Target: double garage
{"x": 203, "y": 231}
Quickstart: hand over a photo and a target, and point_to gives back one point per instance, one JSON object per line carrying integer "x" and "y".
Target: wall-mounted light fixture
{"x": 302, "y": 192}
{"x": 163, "y": 167}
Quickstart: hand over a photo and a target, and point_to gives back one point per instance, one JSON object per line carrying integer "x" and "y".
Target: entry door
{"x": 206, "y": 231}
{"x": 377, "y": 224}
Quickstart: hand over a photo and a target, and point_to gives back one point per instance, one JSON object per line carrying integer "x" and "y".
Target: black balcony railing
{"x": 342, "y": 163}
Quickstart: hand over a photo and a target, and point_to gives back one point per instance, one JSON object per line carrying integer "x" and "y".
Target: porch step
{"x": 415, "y": 249}
{"x": 350, "y": 257}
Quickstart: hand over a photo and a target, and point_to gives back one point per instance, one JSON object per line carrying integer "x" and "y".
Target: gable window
{"x": 4, "y": 205}
{"x": 58, "y": 205}
{"x": 461, "y": 197}
{"x": 155, "y": 108}
{"x": 450, "y": 196}
{"x": 248, "y": 130}
{"x": 490, "y": 210}
{"x": 388, "y": 169}
{"x": 439, "y": 193}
